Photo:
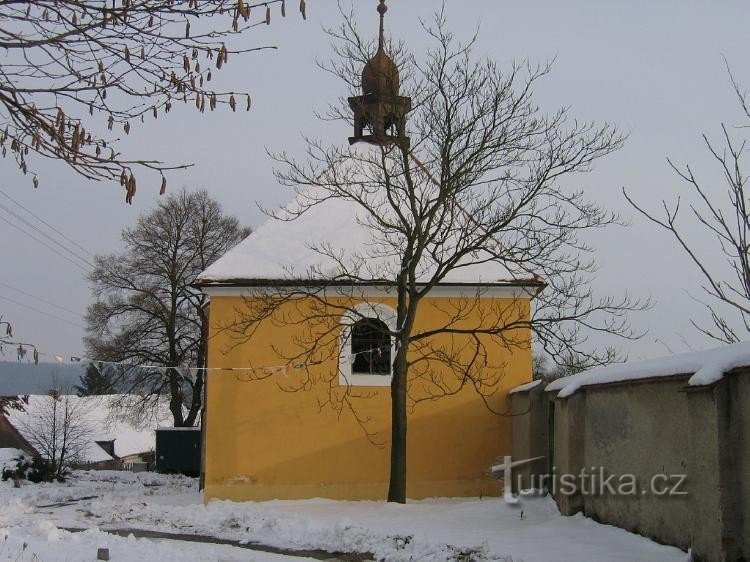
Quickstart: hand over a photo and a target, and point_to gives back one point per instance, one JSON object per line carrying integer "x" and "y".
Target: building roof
{"x": 284, "y": 250}
{"x": 129, "y": 438}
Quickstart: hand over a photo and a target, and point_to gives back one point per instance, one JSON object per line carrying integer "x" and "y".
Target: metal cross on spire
{"x": 382, "y": 9}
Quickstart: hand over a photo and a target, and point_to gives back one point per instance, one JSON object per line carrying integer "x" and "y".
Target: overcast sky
{"x": 655, "y": 69}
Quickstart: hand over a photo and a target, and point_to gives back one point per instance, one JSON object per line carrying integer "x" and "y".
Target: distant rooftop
{"x": 129, "y": 438}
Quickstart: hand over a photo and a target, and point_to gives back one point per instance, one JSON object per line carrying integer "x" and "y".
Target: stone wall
{"x": 653, "y": 456}
{"x": 529, "y": 438}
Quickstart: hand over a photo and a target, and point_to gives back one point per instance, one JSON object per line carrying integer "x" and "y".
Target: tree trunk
{"x": 64, "y": 448}
{"x": 61, "y": 463}
{"x": 53, "y": 455}
{"x": 197, "y": 397}
{"x": 197, "y": 401}
{"x": 406, "y": 309}
{"x": 397, "y": 485}
{"x": 175, "y": 401}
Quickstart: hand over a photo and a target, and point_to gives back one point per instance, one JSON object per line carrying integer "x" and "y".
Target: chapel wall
{"x": 278, "y": 436}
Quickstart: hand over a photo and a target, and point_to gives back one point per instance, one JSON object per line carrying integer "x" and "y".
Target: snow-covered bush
{"x": 19, "y": 465}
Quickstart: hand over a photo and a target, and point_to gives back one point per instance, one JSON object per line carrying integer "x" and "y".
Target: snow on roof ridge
{"x": 706, "y": 367}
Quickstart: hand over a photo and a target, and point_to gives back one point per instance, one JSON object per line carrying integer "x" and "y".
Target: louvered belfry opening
{"x": 380, "y": 112}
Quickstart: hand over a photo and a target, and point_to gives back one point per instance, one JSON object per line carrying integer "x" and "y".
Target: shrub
{"x": 33, "y": 469}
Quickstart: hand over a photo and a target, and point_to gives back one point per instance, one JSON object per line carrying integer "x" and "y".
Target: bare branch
{"x": 70, "y": 67}
{"x": 721, "y": 215}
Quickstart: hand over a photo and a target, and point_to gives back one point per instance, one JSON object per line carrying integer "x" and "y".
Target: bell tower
{"x": 380, "y": 112}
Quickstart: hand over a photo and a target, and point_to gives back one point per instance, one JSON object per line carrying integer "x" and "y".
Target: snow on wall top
{"x": 706, "y": 367}
{"x": 285, "y": 250}
{"x": 95, "y": 411}
{"x": 525, "y": 387}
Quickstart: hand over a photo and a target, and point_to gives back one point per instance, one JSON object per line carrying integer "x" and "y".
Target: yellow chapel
{"x": 298, "y": 394}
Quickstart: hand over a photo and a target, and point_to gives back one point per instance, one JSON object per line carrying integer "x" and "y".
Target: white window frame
{"x": 376, "y": 310}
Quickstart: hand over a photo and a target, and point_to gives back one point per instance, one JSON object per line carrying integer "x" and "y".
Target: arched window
{"x": 367, "y": 348}
{"x": 371, "y": 347}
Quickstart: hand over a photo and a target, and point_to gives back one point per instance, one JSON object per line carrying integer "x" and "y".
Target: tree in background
{"x": 147, "y": 315}
{"x": 482, "y": 183}
{"x": 77, "y": 74}
{"x": 719, "y": 218}
{"x": 59, "y": 431}
{"x": 98, "y": 380}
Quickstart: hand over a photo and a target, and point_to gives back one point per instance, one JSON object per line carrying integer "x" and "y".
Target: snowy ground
{"x": 440, "y": 529}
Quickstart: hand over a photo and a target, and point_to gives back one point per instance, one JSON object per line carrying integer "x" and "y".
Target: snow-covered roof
{"x": 95, "y": 411}
{"x": 285, "y": 250}
{"x": 705, "y": 367}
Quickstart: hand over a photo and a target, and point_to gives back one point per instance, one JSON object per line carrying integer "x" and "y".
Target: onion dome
{"x": 380, "y": 75}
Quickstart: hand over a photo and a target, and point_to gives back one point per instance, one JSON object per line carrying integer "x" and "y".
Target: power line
{"x": 47, "y": 236}
{"x": 43, "y": 312}
{"x": 40, "y": 299}
{"x": 35, "y": 228}
{"x": 43, "y": 243}
{"x": 40, "y": 219}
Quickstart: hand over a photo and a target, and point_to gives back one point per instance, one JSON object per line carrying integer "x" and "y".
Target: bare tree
{"x": 59, "y": 430}
{"x": 718, "y": 216}
{"x": 147, "y": 315}
{"x": 569, "y": 363}
{"x": 75, "y": 74}
{"x": 481, "y": 184}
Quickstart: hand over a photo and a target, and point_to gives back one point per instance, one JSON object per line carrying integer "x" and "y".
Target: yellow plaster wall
{"x": 262, "y": 442}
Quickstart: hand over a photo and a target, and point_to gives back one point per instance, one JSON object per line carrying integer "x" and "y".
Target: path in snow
{"x": 236, "y": 543}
